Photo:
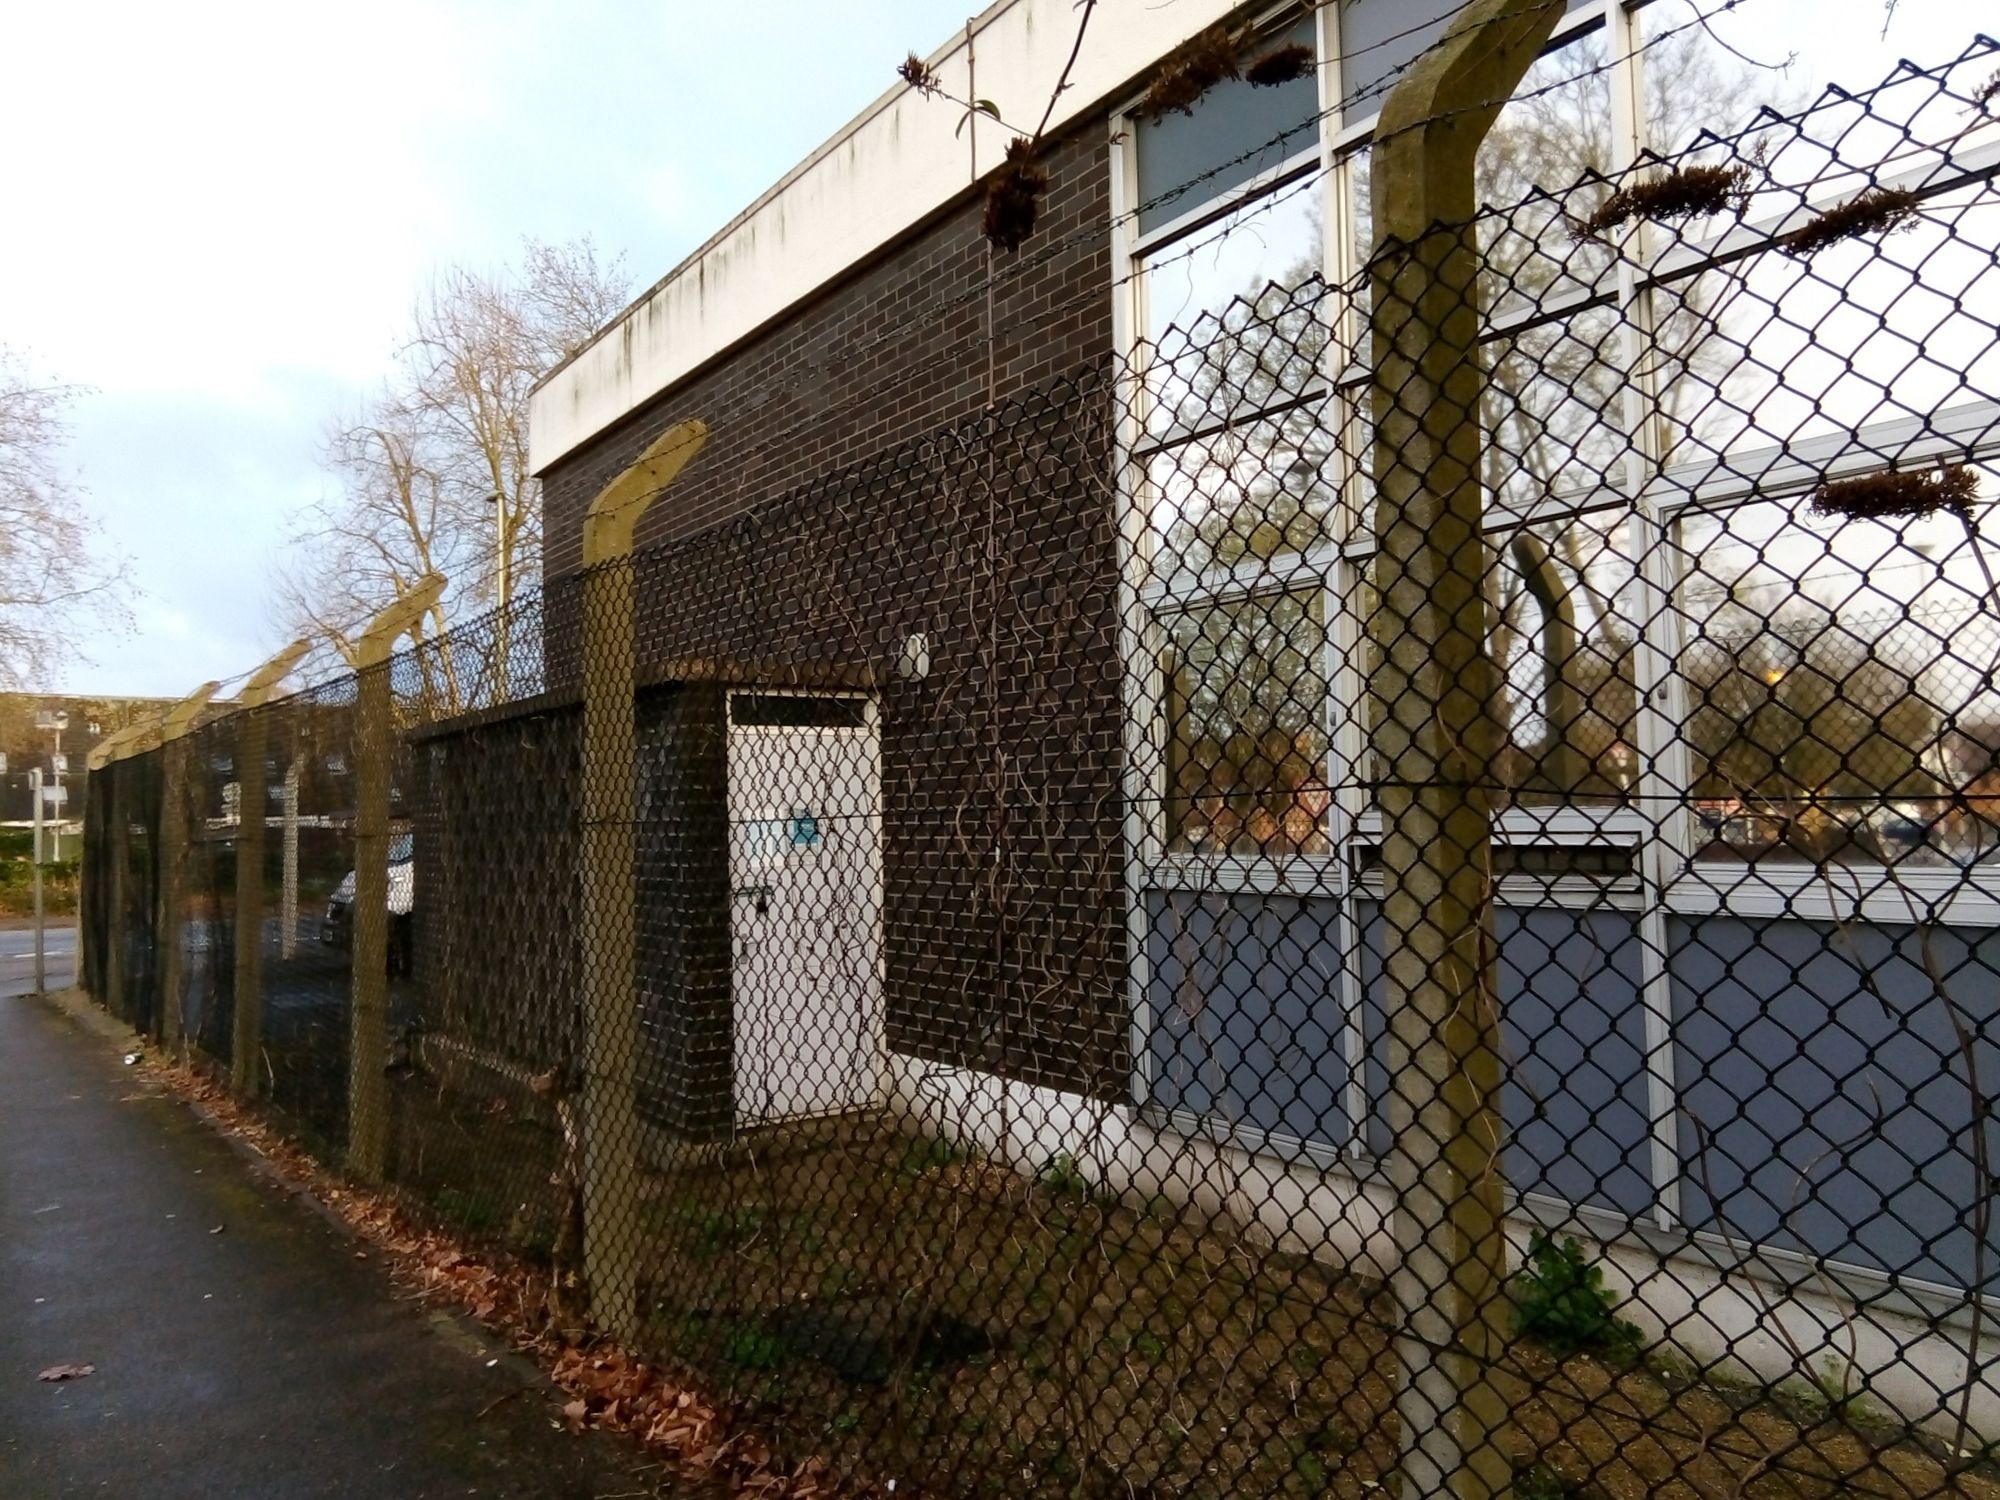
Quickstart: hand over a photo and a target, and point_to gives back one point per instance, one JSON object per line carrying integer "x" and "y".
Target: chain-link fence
{"x": 1088, "y": 954}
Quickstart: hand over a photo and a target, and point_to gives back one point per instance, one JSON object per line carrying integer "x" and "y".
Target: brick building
{"x": 973, "y": 531}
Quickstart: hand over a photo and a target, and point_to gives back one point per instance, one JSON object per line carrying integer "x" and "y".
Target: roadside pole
{"x": 41, "y": 964}
{"x": 609, "y": 921}
{"x": 373, "y": 756}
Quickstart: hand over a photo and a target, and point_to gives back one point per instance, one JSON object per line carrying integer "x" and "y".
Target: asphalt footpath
{"x": 240, "y": 1346}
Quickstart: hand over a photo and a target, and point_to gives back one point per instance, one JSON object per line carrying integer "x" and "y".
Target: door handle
{"x": 762, "y": 893}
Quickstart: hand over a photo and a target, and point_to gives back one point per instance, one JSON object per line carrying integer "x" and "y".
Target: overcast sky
{"x": 218, "y": 215}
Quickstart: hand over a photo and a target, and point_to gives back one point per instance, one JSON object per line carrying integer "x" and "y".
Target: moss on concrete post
{"x": 610, "y": 1127}
{"x": 118, "y": 855}
{"x": 113, "y": 852}
{"x": 372, "y": 756}
{"x": 174, "y": 820}
{"x": 1430, "y": 690}
{"x": 252, "y": 805}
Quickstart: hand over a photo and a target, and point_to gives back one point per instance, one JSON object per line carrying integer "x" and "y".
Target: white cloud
{"x": 220, "y": 214}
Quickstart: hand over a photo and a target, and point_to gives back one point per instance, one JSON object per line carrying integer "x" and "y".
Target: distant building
{"x": 37, "y": 728}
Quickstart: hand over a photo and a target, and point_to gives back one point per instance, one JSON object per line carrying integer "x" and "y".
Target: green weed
{"x": 1540, "y": 1482}
{"x": 1063, "y": 1177}
{"x": 751, "y": 1347}
{"x": 1560, "y": 1302}
{"x": 931, "y": 1153}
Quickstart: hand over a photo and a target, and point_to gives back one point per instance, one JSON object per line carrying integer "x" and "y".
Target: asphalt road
{"x": 17, "y": 958}
{"x": 241, "y": 1348}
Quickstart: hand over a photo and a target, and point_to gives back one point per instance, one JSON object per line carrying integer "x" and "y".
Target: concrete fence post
{"x": 93, "y": 873}
{"x": 252, "y": 807}
{"x": 1430, "y": 692}
{"x": 611, "y": 1249}
{"x": 86, "y": 977}
{"x": 174, "y": 820}
{"x": 114, "y": 849}
{"x": 288, "y": 892}
{"x": 373, "y": 757}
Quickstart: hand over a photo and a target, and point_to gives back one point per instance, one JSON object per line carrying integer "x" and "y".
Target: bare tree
{"x": 433, "y": 470}
{"x": 54, "y": 573}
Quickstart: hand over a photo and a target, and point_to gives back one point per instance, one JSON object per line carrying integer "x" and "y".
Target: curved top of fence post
{"x": 180, "y": 718}
{"x": 1428, "y": 133}
{"x": 115, "y": 745}
{"x": 263, "y": 682}
{"x": 147, "y": 734}
{"x": 379, "y": 639}
{"x": 614, "y": 515}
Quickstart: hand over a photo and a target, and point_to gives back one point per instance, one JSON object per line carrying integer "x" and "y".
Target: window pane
{"x": 1540, "y": 169}
{"x": 1564, "y": 620}
{"x": 1262, "y": 490}
{"x": 1188, "y": 160}
{"x": 1234, "y": 317}
{"x": 1378, "y": 40}
{"x": 1553, "y": 410}
{"x": 1564, "y": 615}
{"x": 1777, "y": 348}
{"x": 1245, "y": 702}
{"x": 1840, "y": 695}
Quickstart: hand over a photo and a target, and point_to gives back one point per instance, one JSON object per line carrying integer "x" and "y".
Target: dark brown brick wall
{"x": 858, "y": 489}
{"x": 896, "y": 349}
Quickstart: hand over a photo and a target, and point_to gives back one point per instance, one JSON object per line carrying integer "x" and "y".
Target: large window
{"x": 1837, "y": 684}
{"x": 1246, "y": 735}
{"x": 1682, "y": 656}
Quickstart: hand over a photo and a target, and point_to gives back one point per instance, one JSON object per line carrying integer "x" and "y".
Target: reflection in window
{"x": 1230, "y": 312}
{"x": 1564, "y": 618}
{"x": 1552, "y": 409}
{"x": 1771, "y": 349}
{"x": 1245, "y": 722}
{"x": 1259, "y": 491}
{"x": 1564, "y": 625}
{"x": 1840, "y": 691}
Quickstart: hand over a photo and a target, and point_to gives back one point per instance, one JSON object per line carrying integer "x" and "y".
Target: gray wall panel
{"x": 1246, "y": 1012}
{"x": 1827, "y": 1104}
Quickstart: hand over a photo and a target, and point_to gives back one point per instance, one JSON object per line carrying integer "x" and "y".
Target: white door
{"x": 805, "y": 910}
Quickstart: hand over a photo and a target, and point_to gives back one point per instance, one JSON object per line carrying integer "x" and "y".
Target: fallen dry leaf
{"x": 609, "y": 1387}
{"x": 67, "y": 1372}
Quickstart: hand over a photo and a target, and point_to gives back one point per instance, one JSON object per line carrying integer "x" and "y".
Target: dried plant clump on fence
{"x": 1198, "y": 66}
{"x": 1893, "y": 496}
{"x": 1683, "y": 193}
{"x": 1281, "y": 65}
{"x": 1877, "y": 211}
{"x": 1014, "y": 197}
{"x": 919, "y": 75}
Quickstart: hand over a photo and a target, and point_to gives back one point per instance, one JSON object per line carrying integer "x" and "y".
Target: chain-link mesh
{"x": 1245, "y": 922}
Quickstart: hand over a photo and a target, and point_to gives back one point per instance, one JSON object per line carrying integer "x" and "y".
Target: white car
{"x": 336, "y": 928}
